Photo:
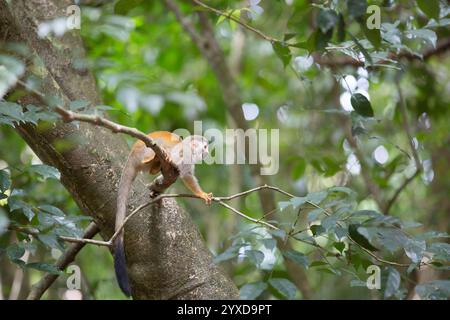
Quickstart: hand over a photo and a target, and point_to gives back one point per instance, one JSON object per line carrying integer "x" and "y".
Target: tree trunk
{"x": 166, "y": 256}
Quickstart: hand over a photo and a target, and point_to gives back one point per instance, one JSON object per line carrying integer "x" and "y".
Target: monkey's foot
{"x": 152, "y": 193}
{"x": 207, "y": 197}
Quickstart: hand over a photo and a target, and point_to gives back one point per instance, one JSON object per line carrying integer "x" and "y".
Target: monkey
{"x": 183, "y": 153}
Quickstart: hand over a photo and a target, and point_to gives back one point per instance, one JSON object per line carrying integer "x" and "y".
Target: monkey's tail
{"x": 120, "y": 266}
{"x": 128, "y": 175}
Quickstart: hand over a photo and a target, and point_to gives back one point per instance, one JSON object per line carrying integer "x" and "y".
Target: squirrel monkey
{"x": 184, "y": 154}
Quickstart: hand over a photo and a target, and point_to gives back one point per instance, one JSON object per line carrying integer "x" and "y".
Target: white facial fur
{"x": 191, "y": 150}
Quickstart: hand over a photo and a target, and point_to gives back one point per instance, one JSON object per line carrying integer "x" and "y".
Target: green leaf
{"x": 11, "y": 110}
{"x": 432, "y": 235}
{"x": 363, "y": 50}
{"x": 289, "y": 36}
{"x": 284, "y": 287}
{"x": 426, "y": 35}
{"x": 5, "y": 181}
{"x": 313, "y": 215}
{"x": 415, "y": 249}
{"x": 51, "y": 241}
{"x": 318, "y": 264}
{"x": 255, "y": 256}
{"x": 122, "y": 7}
{"x": 16, "y": 204}
{"x": 228, "y": 254}
{"x": 320, "y": 39}
{"x": 283, "y": 205}
{"x": 434, "y": 290}
{"x": 340, "y": 246}
{"x": 358, "y": 262}
{"x": 15, "y": 252}
{"x": 299, "y": 169}
{"x": 298, "y": 202}
{"x": 373, "y": 35}
{"x": 297, "y": 257}
{"x": 411, "y": 267}
{"x": 392, "y": 283}
{"x": 361, "y": 105}
{"x": 283, "y": 52}
{"x": 430, "y": 8}
{"x": 317, "y": 197}
{"x": 358, "y": 283}
{"x": 345, "y": 190}
{"x": 331, "y": 271}
{"x": 46, "y": 267}
{"x": 341, "y": 29}
{"x": 359, "y": 238}
{"x": 220, "y": 19}
{"x": 392, "y": 239}
{"x": 440, "y": 251}
{"x": 356, "y": 8}
{"x": 11, "y": 67}
{"x": 4, "y": 222}
{"x": 251, "y": 291}
{"x": 330, "y": 223}
{"x": 78, "y": 104}
{"x": 45, "y": 171}
{"x": 327, "y": 19}
{"x": 52, "y": 210}
{"x": 278, "y": 233}
{"x": 317, "y": 229}
{"x": 269, "y": 243}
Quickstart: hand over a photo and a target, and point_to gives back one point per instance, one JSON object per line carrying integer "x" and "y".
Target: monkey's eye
{"x": 205, "y": 146}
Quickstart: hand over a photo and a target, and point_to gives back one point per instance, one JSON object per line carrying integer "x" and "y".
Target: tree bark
{"x": 166, "y": 255}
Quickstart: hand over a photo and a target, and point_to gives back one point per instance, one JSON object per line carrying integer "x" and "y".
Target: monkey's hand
{"x": 207, "y": 197}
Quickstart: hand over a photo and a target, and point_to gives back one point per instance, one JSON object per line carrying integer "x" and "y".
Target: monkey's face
{"x": 199, "y": 148}
{"x": 205, "y": 149}
{"x": 195, "y": 149}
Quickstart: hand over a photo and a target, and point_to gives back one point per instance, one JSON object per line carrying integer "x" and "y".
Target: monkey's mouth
{"x": 205, "y": 154}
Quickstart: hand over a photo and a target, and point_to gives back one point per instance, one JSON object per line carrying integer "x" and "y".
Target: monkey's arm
{"x": 191, "y": 182}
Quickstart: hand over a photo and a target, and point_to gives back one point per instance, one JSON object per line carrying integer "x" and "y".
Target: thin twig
{"x": 397, "y": 193}
{"x": 221, "y": 199}
{"x": 271, "y": 226}
{"x": 239, "y": 21}
{"x": 406, "y": 126}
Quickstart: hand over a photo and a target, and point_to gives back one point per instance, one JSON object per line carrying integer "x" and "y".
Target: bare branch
{"x": 220, "y": 200}
{"x": 238, "y": 21}
{"x": 168, "y": 169}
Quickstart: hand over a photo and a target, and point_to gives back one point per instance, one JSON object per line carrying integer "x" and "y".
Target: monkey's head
{"x": 195, "y": 149}
{"x": 199, "y": 146}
